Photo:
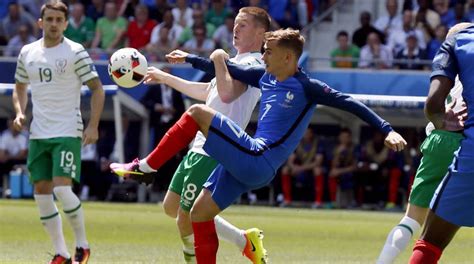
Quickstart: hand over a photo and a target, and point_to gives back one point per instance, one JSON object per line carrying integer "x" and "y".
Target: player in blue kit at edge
{"x": 288, "y": 100}
{"x": 452, "y": 203}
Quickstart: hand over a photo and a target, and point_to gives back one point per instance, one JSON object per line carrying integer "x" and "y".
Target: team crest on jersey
{"x": 61, "y": 65}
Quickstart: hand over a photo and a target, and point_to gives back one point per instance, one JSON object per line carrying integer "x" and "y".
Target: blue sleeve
{"x": 445, "y": 62}
{"x": 247, "y": 74}
{"x": 320, "y": 93}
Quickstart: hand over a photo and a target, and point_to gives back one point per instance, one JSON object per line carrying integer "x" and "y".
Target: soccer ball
{"x": 127, "y": 67}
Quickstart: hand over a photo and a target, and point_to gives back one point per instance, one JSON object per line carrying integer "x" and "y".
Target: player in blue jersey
{"x": 452, "y": 204}
{"x": 288, "y": 99}
{"x": 438, "y": 151}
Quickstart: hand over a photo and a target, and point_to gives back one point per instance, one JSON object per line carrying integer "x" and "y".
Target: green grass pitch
{"x": 141, "y": 233}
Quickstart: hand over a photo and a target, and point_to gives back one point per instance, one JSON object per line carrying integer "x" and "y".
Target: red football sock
{"x": 319, "y": 188}
{"x": 286, "y": 187}
{"x": 332, "y": 188}
{"x": 176, "y": 138}
{"x": 394, "y": 182}
{"x": 205, "y": 242}
{"x": 425, "y": 253}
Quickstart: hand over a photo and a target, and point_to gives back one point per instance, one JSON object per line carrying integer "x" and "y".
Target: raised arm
{"x": 227, "y": 88}
{"x": 320, "y": 93}
{"x": 195, "y": 90}
{"x": 247, "y": 74}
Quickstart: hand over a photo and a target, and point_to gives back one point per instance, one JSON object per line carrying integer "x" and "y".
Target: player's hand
{"x": 454, "y": 121}
{"x": 155, "y": 75}
{"x": 90, "y": 136}
{"x": 395, "y": 141}
{"x": 177, "y": 56}
{"x": 19, "y": 122}
{"x": 219, "y": 54}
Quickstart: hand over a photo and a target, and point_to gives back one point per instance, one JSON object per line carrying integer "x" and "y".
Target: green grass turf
{"x": 141, "y": 233}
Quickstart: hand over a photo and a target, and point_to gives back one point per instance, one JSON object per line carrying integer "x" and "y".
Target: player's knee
{"x": 170, "y": 210}
{"x": 196, "y": 110}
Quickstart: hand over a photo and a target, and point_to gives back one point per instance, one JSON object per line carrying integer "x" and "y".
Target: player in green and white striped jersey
{"x": 55, "y": 68}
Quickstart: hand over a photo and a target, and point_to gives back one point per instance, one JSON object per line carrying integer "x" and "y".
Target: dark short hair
{"x": 342, "y": 33}
{"x": 260, "y": 16}
{"x": 55, "y": 5}
{"x": 288, "y": 38}
{"x": 345, "y": 130}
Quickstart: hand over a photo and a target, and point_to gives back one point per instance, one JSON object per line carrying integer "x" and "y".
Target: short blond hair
{"x": 288, "y": 38}
{"x": 458, "y": 27}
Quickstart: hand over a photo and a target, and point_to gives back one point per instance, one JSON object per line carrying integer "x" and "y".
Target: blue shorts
{"x": 242, "y": 165}
{"x": 454, "y": 199}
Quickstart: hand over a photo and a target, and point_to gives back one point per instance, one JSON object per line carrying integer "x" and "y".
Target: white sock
{"x": 398, "y": 239}
{"x": 51, "y": 220}
{"x": 188, "y": 244}
{"x": 73, "y": 209}
{"x": 143, "y": 166}
{"x": 226, "y": 231}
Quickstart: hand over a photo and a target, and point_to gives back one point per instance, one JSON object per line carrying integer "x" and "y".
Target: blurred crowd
{"x": 155, "y": 27}
{"x": 406, "y": 38}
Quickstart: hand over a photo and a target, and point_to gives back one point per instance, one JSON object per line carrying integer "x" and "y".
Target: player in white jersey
{"x": 233, "y": 99}
{"x": 55, "y": 68}
{"x": 438, "y": 152}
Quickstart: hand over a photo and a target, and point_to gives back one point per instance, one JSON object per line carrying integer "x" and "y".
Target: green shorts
{"x": 191, "y": 174}
{"x": 52, "y": 157}
{"x": 438, "y": 152}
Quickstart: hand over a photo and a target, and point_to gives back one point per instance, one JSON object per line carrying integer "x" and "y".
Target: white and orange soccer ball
{"x": 127, "y": 67}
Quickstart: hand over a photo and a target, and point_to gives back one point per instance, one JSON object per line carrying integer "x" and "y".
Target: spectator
{"x": 15, "y": 18}
{"x": 360, "y": 35}
{"x": 305, "y": 162}
{"x": 374, "y": 54}
{"x": 3, "y": 8}
{"x": 183, "y": 14}
{"x": 411, "y": 56}
{"x": 158, "y": 50}
{"x": 435, "y": 43}
{"x": 33, "y": 7}
{"x": 199, "y": 44}
{"x": 391, "y": 21}
{"x": 397, "y": 40}
{"x": 276, "y": 9}
{"x": 291, "y": 15}
{"x": 459, "y": 15}
{"x": 174, "y": 31}
{"x": 110, "y": 29}
{"x": 198, "y": 18}
{"x": 470, "y": 10}
{"x": 13, "y": 148}
{"x": 446, "y": 15}
{"x": 127, "y": 9}
{"x": 217, "y": 13}
{"x": 426, "y": 19}
{"x": 95, "y": 9}
{"x": 140, "y": 28}
{"x": 80, "y": 28}
{"x": 17, "y": 42}
{"x": 158, "y": 10}
{"x": 376, "y": 164}
{"x": 346, "y": 54}
{"x": 343, "y": 165}
{"x": 224, "y": 36}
